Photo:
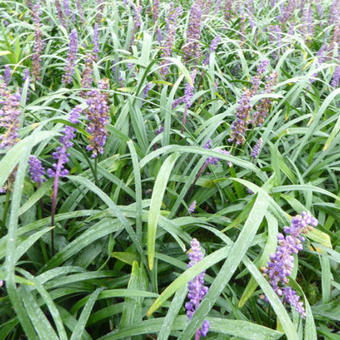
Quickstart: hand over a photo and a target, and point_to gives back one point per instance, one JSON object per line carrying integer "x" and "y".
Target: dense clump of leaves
{"x": 198, "y": 124}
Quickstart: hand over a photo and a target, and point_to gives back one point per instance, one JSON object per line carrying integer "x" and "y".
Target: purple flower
{"x": 61, "y": 156}
{"x": 177, "y": 102}
{"x": 137, "y": 21}
{"x": 159, "y": 130}
{"x": 227, "y": 9}
{"x": 281, "y": 263}
{"x": 262, "y": 108}
{"x": 25, "y": 77}
{"x": 159, "y": 35}
{"x": 39, "y": 45}
{"x": 95, "y": 40}
{"x": 155, "y": 10}
{"x": 275, "y": 37}
{"x": 171, "y": 27}
{"x": 212, "y": 49}
{"x": 9, "y": 116}
{"x": 36, "y": 170}
{"x": 334, "y": 13}
{"x": 240, "y": 124}
{"x": 100, "y": 9}
{"x": 286, "y": 11}
{"x": 86, "y": 77}
{"x": 98, "y": 116}
{"x": 192, "y": 48}
{"x": 196, "y": 289}
{"x": 257, "y": 148}
{"x": 80, "y": 10}
{"x": 192, "y": 207}
{"x": 60, "y": 13}
{"x": 7, "y": 74}
{"x": 336, "y": 75}
{"x": 188, "y": 94}
{"x": 66, "y": 7}
{"x": 214, "y": 160}
{"x": 71, "y": 58}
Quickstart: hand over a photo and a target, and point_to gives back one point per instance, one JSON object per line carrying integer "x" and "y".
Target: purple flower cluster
{"x": 187, "y": 99}
{"x": 213, "y": 46}
{"x": 171, "y": 26}
{"x": 66, "y": 5}
{"x": 240, "y": 124}
{"x": 80, "y": 10}
{"x": 281, "y": 263}
{"x": 36, "y": 170}
{"x": 196, "y": 289}
{"x": 262, "y": 108}
{"x": 336, "y": 75}
{"x": 25, "y": 77}
{"x": 95, "y": 40}
{"x": 98, "y": 116}
{"x": 159, "y": 130}
{"x": 192, "y": 207}
{"x": 155, "y": 11}
{"x": 286, "y": 11}
{"x": 257, "y": 149}
{"x": 100, "y": 9}
{"x": 61, "y": 156}
{"x": 71, "y": 58}
{"x": 228, "y": 9}
{"x": 38, "y": 45}
{"x": 137, "y": 21}
{"x": 60, "y": 13}
{"x": 214, "y": 160}
{"x": 192, "y": 48}
{"x": 7, "y": 74}
{"x": 9, "y": 116}
{"x": 86, "y": 77}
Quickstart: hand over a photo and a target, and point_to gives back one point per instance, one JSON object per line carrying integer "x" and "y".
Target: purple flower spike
{"x": 61, "y": 156}
{"x": 95, "y": 40}
{"x": 67, "y": 8}
{"x": 192, "y": 48}
{"x": 86, "y": 77}
{"x": 263, "y": 107}
{"x": 71, "y": 58}
{"x": 336, "y": 75}
{"x": 155, "y": 10}
{"x": 212, "y": 49}
{"x": 36, "y": 170}
{"x": 214, "y": 160}
{"x": 159, "y": 130}
{"x": 137, "y": 10}
{"x": 60, "y": 13}
{"x": 80, "y": 10}
{"x": 196, "y": 289}
{"x": 7, "y": 74}
{"x": 171, "y": 27}
{"x": 38, "y": 45}
{"x": 192, "y": 207}
{"x": 98, "y": 116}
{"x": 9, "y": 116}
{"x": 281, "y": 263}
{"x": 257, "y": 149}
{"x": 188, "y": 94}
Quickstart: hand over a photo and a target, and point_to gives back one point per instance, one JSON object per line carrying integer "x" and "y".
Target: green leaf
{"x": 156, "y": 202}
{"x": 80, "y": 326}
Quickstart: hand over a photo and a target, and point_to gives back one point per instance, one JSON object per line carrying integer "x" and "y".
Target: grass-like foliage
{"x": 169, "y": 170}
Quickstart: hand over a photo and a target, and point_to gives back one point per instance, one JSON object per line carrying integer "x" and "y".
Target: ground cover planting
{"x": 169, "y": 170}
